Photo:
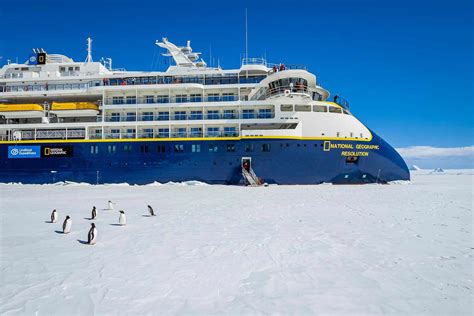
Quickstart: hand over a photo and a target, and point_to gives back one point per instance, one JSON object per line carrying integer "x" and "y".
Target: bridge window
{"x": 286, "y": 108}
{"x": 303, "y": 108}
{"x": 320, "y": 108}
{"x": 333, "y": 109}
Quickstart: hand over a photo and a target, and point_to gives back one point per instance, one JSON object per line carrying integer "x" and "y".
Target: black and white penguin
{"x": 110, "y": 205}
{"x": 122, "y": 219}
{"x": 92, "y": 236}
{"x": 151, "y": 211}
{"x": 94, "y": 213}
{"x": 54, "y": 216}
{"x": 67, "y": 225}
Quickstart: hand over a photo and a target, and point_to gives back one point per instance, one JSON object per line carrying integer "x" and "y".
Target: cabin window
{"x": 131, "y": 100}
{"x": 143, "y": 148}
{"x": 131, "y": 116}
{"x": 333, "y": 109}
{"x": 178, "y": 148}
{"x": 127, "y": 148}
{"x": 213, "y": 131}
{"x": 228, "y": 97}
{"x": 352, "y": 159}
{"x": 213, "y": 97}
{"x": 196, "y": 132}
{"x": 266, "y": 147}
{"x": 180, "y": 132}
{"x": 320, "y": 108}
{"x": 229, "y": 114}
{"x": 248, "y": 114}
{"x": 213, "y": 115}
{"x": 196, "y": 115}
{"x": 130, "y": 133}
{"x": 181, "y": 98}
{"x": 115, "y": 117}
{"x": 147, "y": 116}
{"x": 303, "y": 108}
{"x": 230, "y": 132}
{"x": 164, "y": 132}
{"x": 230, "y": 148}
{"x": 196, "y": 148}
{"x": 249, "y": 148}
{"x": 149, "y": 99}
{"x": 115, "y": 133}
{"x": 286, "y": 108}
{"x": 94, "y": 149}
{"x": 111, "y": 149}
{"x": 147, "y": 133}
{"x": 212, "y": 148}
{"x": 265, "y": 113}
{"x": 180, "y": 115}
{"x": 196, "y": 97}
{"x": 163, "y": 116}
{"x": 162, "y": 99}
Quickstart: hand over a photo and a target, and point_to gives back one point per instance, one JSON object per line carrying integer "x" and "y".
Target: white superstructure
{"x": 64, "y": 99}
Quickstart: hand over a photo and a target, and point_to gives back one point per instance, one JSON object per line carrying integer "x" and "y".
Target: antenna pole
{"x": 246, "y": 36}
{"x": 89, "y": 50}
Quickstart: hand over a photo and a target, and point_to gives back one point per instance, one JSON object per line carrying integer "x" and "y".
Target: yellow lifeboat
{"x": 71, "y": 109}
{"x": 26, "y": 110}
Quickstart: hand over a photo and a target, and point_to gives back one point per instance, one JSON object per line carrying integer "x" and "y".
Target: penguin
{"x": 151, "y": 211}
{"x": 94, "y": 213}
{"x": 67, "y": 225}
{"x": 122, "y": 219}
{"x": 92, "y": 236}
{"x": 54, "y": 216}
{"x": 110, "y": 205}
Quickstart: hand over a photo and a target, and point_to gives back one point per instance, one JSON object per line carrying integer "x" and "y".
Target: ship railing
{"x": 167, "y": 99}
{"x": 46, "y": 87}
{"x": 191, "y": 117}
{"x": 157, "y": 134}
{"x": 53, "y": 134}
{"x": 287, "y": 90}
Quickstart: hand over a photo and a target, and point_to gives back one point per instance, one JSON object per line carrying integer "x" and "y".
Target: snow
{"x": 328, "y": 249}
{"x": 415, "y": 168}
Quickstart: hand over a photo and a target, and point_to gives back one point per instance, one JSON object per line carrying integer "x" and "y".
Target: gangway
{"x": 249, "y": 175}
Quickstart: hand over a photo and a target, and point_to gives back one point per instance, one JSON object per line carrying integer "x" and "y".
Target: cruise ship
{"x": 64, "y": 120}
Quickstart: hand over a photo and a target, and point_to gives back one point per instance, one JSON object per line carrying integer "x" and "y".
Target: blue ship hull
{"x": 284, "y": 161}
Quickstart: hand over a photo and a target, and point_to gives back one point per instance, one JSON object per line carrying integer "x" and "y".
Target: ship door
{"x": 247, "y": 163}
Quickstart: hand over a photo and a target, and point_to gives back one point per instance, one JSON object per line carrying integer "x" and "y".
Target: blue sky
{"x": 405, "y": 66}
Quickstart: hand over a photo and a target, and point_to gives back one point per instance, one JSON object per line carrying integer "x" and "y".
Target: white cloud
{"x": 433, "y": 152}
